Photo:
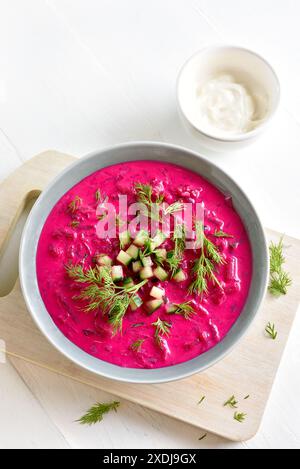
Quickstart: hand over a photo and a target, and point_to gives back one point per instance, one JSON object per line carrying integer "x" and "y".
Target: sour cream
{"x": 226, "y": 105}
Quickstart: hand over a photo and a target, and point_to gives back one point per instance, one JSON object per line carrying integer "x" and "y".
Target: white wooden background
{"x": 77, "y": 75}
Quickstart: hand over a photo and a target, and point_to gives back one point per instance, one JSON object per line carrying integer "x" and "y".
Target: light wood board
{"x": 249, "y": 370}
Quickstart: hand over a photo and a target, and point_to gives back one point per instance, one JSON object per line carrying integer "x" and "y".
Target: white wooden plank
{"x": 23, "y": 422}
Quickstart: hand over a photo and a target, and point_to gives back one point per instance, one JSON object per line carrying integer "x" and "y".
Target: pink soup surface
{"x": 70, "y": 237}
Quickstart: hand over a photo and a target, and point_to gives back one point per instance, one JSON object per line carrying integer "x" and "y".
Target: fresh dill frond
{"x": 204, "y": 267}
{"x": 201, "y": 400}
{"x": 100, "y": 292}
{"x": 246, "y": 397}
{"x": 137, "y": 345}
{"x": 95, "y": 413}
{"x": 74, "y": 224}
{"x": 184, "y": 309}
{"x": 162, "y": 328}
{"x": 145, "y": 195}
{"x": 98, "y": 195}
{"x": 222, "y": 234}
{"x": 75, "y": 204}
{"x": 271, "y": 331}
{"x": 175, "y": 257}
{"x": 232, "y": 402}
{"x": 202, "y": 437}
{"x": 280, "y": 280}
{"x": 239, "y": 417}
{"x": 173, "y": 208}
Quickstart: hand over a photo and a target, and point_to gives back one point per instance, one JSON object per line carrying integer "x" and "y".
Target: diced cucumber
{"x": 180, "y": 276}
{"x": 128, "y": 282}
{"x": 146, "y": 272}
{"x": 153, "y": 305}
{"x": 137, "y": 266}
{"x": 133, "y": 252}
{"x": 124, "y": 258}
{"x": 141, "y": 238}
{"x": 147, "y": 261}
{"x": 124, "y": 238}
{"x": 103, "y": 259}
{"x": 117, "y": 273}
{"x": 157, "y": 292}
{"x": 158, "y": 239}
{"x": 161, "y": 253}
{"x": 171, "y": 308}
{"x": 135, "y": 302}
{"x": 161, "y": 274}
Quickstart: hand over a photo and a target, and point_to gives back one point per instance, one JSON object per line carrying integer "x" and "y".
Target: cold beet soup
{"x": 144, "y": 264}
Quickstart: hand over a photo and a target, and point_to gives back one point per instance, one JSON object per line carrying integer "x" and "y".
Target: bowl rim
{"x": 243, "y": 137}
{"x": 28, "y": 281}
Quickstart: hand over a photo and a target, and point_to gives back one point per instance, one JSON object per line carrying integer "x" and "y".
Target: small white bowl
{"x": 251, "y": 69}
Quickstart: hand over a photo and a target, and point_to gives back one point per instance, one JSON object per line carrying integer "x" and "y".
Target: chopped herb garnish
{"x": 75, "y": 204}
{"x": 173, "y": 208}
{"x": 174, "y": 258}
{"x": 102, "y": 293}
{"x": 137, "y": 345}
{"x": 204, "y": 267}
{"x": 247, "y": 397}
{"x": 95, "y": 413}
{"x": 280, "y": 280}
{"x": 201, "y": 400}
{"x": 232, "y": 402}
{"x": 183, "y": 309}
{"x": 98, "y": 195}
{"x": 74, "y": 223}
{"x": 222, "y": 234}
{"x": 145, "y": 195}
{"x": 270, "y": 330}
{"x": 162, "y": 328}
{"x": 202, "y": 437}
{"x": 239, "y": 417}
{"x": 138, "y": 324}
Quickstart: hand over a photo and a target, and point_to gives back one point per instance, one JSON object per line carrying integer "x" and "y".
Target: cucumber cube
{"x": 161, "y": 254}
{"x": 124, "y": 258}
{"x": 146, "y": 273}
{"x": 158, "y": 239}
{"x": 147, "y": 261}
{"x": 124, "y": 238}
{"x": 180, "y": 276}
{"x": 117, "y": 273}
{"x": 103, "y": 259}
{"x": 157, "y": 292}
{"x": 135, "y": 302}
{"x": 141, "y": 238}
{"x": 137, "y": 266}
{"x": 133, "y": 252}
{"x": 153, "y": 305}
{"x": 161, "y": 274}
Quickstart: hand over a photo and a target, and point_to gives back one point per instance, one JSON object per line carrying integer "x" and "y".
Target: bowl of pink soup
{"x": 143, "y": 263}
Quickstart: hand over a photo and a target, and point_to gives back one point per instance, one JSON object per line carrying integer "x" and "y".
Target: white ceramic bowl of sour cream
{"x": 227, "y": 96}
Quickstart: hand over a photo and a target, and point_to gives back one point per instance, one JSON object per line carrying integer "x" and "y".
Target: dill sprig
{"x": 184, "y": 309}
{"x": 145, "y": 195}
{"x": 137, "y": 345}
{"x": 75, "y": 204}
{"x": 280, "y": 280}
{"x": 201, "y": 400}
{"x": 162, "y": 328}
{"x": 204, "y": 267}
{"x": 232, "y": 402}
{"x": 100, "y": 292}
{"x": 95, "y": 413}
{"x": 239, "y": 417}
{"x": 202, "y": 437}
{"x": 74, "y": 224}
{"x": 173, "y": 208}
{"x": 271, "y": 331}
{"x": 175, "y": 256}
{"x": 222, "y": 234}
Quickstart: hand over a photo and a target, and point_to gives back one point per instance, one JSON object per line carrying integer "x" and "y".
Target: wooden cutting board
{"x": 249, "y": 370}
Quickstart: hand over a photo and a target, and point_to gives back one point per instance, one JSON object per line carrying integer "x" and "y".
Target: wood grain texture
{"x": 249, "y": 369}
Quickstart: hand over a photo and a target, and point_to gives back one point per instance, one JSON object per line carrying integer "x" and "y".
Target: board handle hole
{"x": 9, "y": 253}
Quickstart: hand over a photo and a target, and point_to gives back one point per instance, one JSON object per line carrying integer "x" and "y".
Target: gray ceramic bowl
{"x": 131, "y": 152}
